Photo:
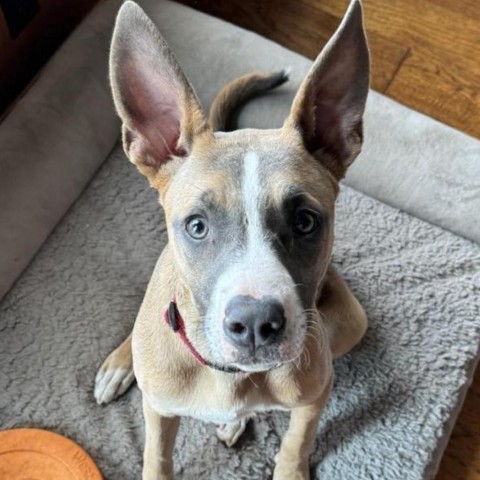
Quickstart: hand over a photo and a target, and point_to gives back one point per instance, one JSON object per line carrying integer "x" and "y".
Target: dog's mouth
{"x": 256, "y": 366}
{"x": 262, "y": 360}
{"x": 249, "y": 364}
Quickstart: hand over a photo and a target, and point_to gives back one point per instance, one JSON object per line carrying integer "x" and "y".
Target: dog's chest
{"x": 216, "y": 407}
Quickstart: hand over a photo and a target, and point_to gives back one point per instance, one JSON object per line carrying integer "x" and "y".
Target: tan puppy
{"x": 243, "y": 312}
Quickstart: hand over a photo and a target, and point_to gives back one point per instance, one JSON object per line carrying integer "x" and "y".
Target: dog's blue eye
{"x": 197, "y": 227}
{"x": 305, "y": 222}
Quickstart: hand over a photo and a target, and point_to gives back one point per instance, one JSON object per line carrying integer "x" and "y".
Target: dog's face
{"x": 249, "y": 213}
{"x": 250, "y": 223}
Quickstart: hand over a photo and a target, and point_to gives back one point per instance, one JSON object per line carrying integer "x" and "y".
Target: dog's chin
{"x": 259, "y": 366}
{"x": 262, "y": 361}
{"x": 256, "y": 367}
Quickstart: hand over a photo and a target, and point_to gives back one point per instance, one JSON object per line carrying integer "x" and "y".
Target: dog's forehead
{"x": 219, "y": 169}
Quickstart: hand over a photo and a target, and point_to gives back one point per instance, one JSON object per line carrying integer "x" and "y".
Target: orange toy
{"x": 29, "y": 453}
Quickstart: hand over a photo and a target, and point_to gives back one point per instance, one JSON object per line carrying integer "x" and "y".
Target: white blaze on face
{"x": 252, "y": 200}
{"x": 260, "y": 272}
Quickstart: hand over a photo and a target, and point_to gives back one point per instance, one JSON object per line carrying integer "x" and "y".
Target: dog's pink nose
{"x": 252, "y": 323}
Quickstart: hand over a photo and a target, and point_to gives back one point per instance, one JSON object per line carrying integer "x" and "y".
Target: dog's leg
{"x": 160, "y": 433}
{"x": 116, "y": 373}
{"x": 341, "y": 313}
{"x": 292, "y": 459}
{"x": 229, "y": 433}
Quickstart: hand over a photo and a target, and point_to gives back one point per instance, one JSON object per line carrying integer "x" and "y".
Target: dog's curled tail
{"x": 238, "y": 91}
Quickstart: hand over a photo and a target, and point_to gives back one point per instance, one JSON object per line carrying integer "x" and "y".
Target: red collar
{"x": 175, "y": 321}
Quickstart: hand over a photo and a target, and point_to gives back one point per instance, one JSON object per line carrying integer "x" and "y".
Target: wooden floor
{"x": 426, "y": 54}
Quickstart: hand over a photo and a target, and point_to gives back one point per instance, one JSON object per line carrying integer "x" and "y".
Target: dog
{"x": 244, "y": 311}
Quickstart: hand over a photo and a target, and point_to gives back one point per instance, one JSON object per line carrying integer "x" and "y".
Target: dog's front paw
{"x": 229, "y": 433}
{"x": 291, "y": 470}
{"x": 114, "y": 377}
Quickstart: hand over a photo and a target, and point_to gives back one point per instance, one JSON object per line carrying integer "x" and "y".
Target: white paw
{"x": 229, "y": 433}
{"x": 111, "y": 382}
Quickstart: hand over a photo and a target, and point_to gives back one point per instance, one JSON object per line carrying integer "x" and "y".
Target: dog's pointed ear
{"x": 160, "y": 112}
{"x": 328, "y": 108}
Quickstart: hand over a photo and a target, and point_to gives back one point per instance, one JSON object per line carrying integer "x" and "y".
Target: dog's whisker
{"x": 253, "y": 382}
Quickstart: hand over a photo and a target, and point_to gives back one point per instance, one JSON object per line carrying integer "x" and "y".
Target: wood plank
{"x": 468, "y": 8}
{"x": 439, "y": 87}
{"x": 462, "y": 457}
{"x": 414, "y": 22}
{"x": 449, "y": 24}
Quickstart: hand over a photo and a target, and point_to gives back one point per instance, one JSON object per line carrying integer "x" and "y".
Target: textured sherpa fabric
{"x": 393, "y": 396}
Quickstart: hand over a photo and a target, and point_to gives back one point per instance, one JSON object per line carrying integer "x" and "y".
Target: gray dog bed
{"x": 396, "y": 396}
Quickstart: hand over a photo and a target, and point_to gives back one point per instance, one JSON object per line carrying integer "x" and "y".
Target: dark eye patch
{"x": 297, "y": 223}
{"x": 301, "y": 254}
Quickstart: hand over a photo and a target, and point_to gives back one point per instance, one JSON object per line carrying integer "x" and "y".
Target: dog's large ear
{"x": 329, "y": 105}
{"x": 160, "y": 112}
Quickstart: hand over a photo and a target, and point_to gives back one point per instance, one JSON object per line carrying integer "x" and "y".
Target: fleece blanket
{"x": 395, "y": 396}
